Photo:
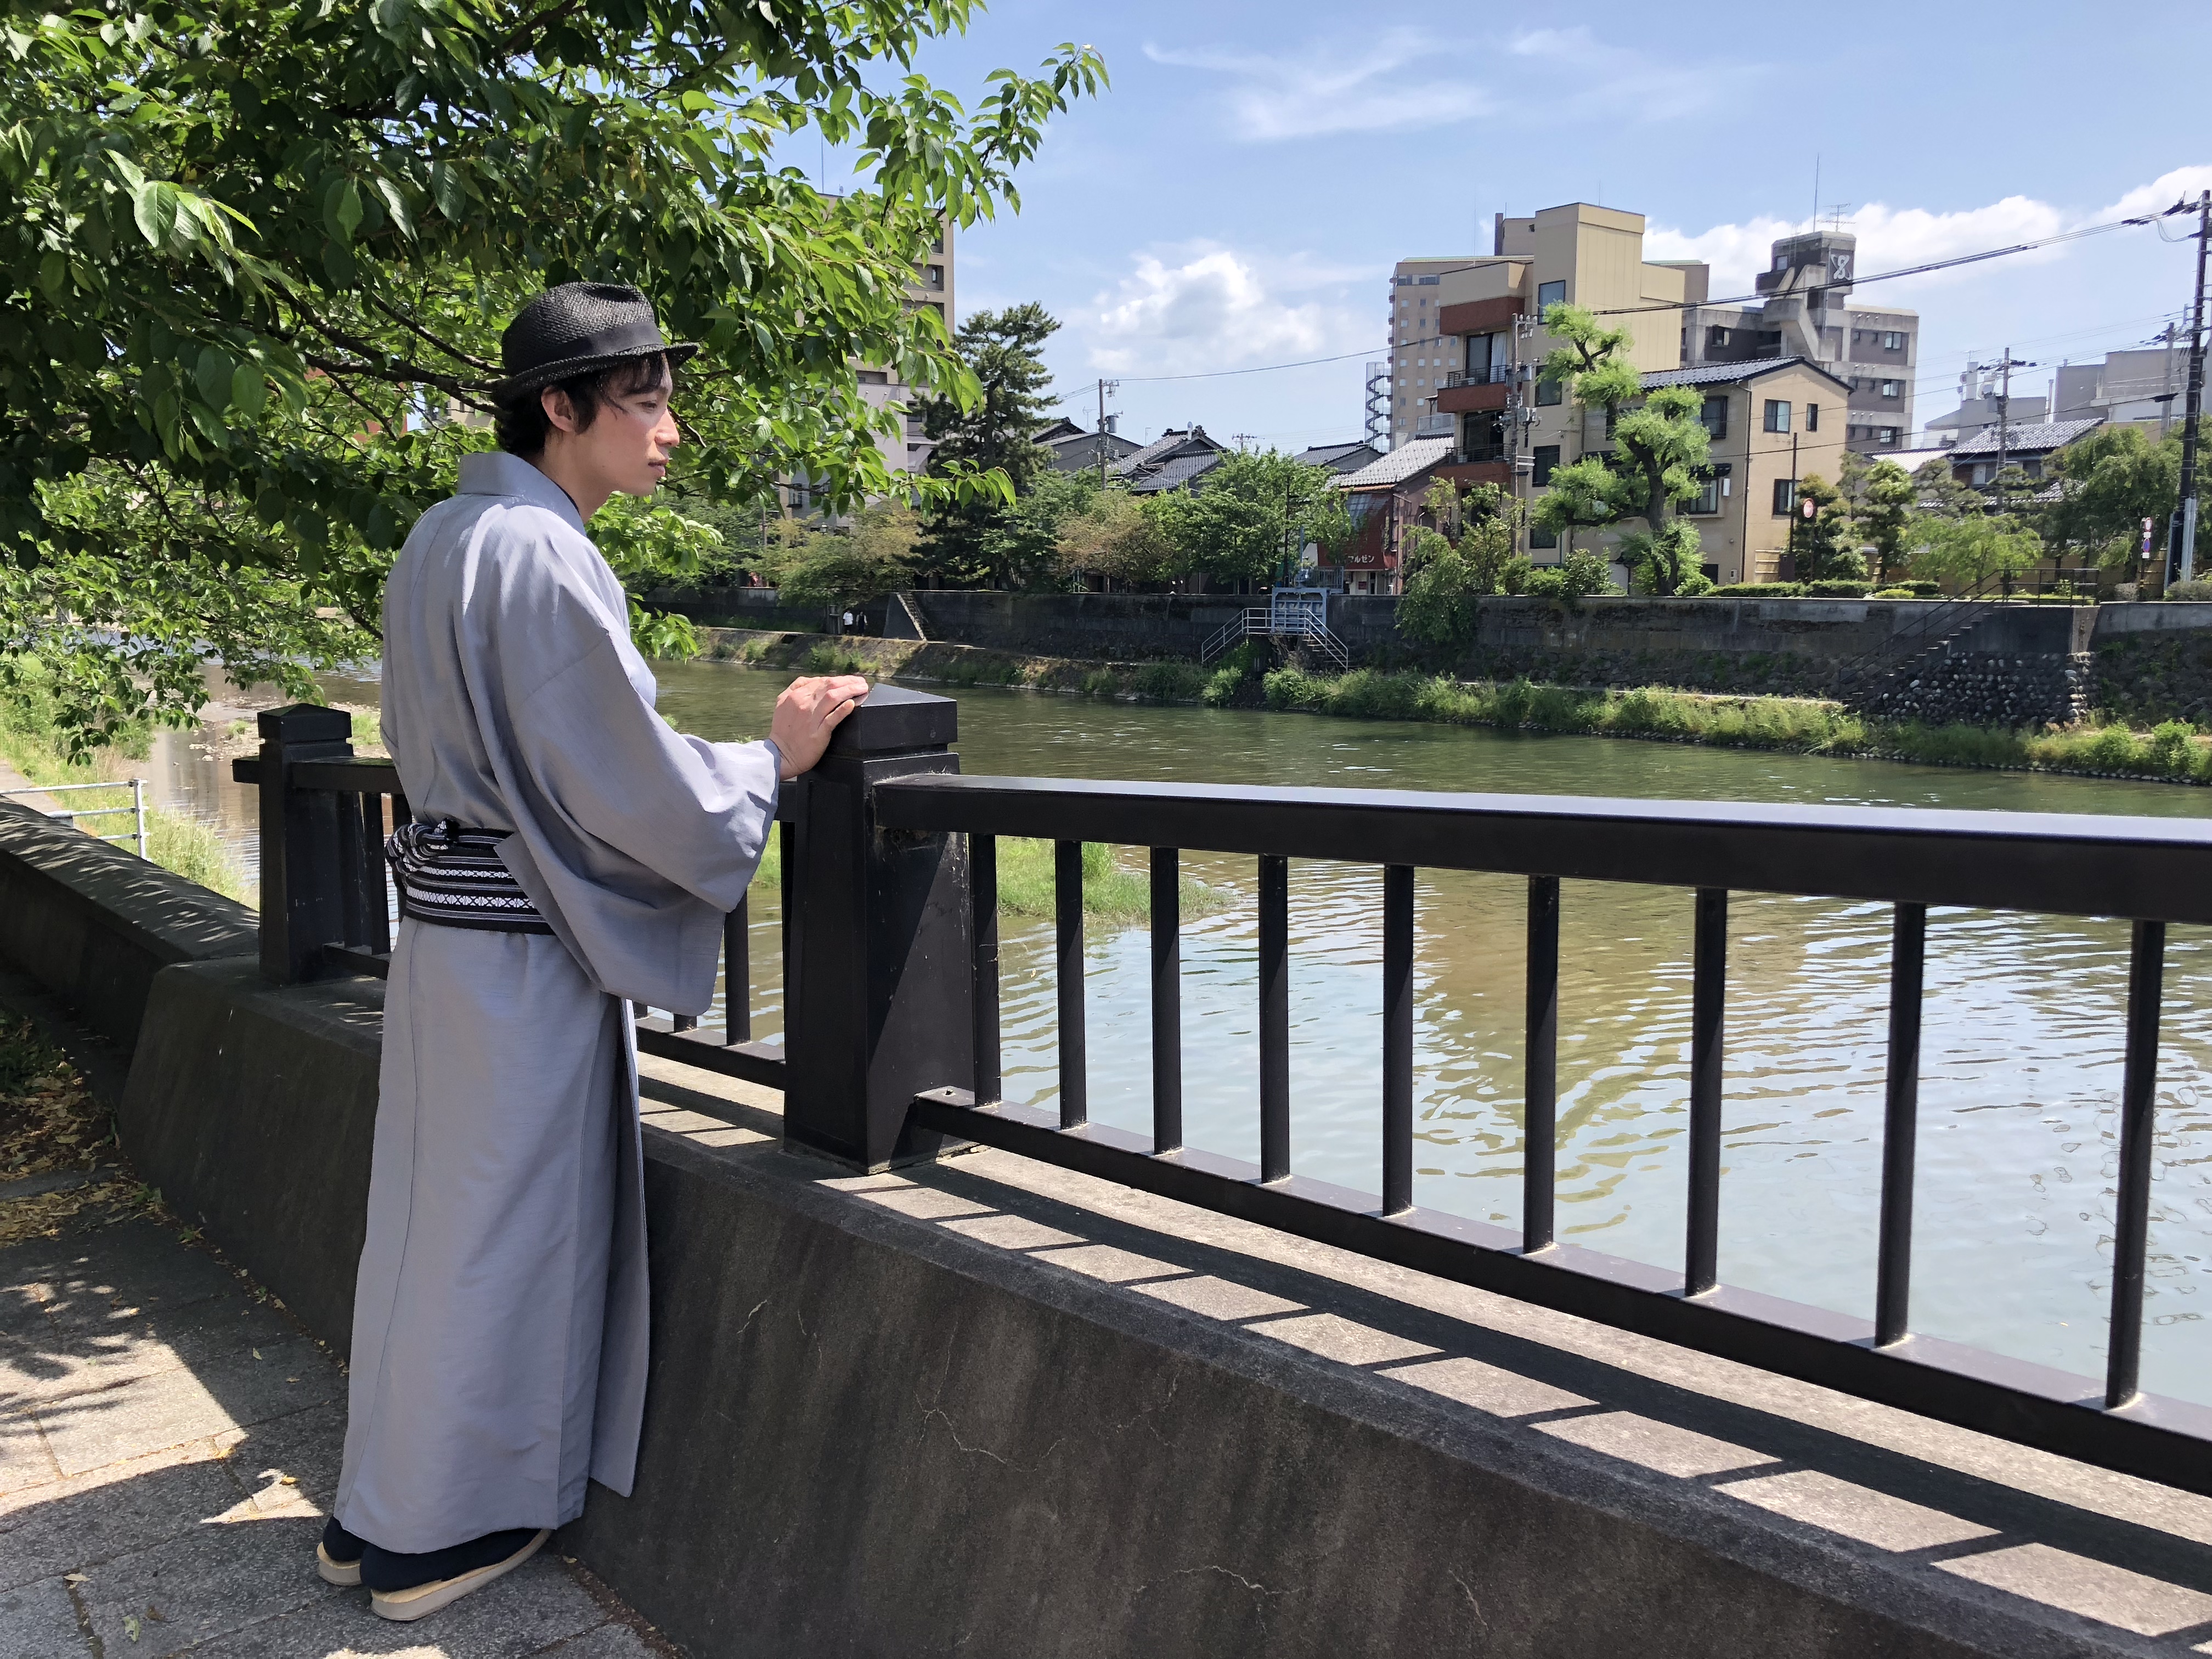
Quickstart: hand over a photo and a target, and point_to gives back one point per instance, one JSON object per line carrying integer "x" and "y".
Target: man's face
{"x": 626, "y": 446}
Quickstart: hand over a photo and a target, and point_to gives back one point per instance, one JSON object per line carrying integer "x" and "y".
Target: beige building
{"x": 933, "y": 290}
{"x": 1467, "y": 338}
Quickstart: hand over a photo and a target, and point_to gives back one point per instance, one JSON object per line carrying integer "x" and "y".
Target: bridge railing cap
{"x": 893, "y": 720}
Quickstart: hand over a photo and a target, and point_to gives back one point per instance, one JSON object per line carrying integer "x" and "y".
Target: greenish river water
{"x": 2021, "y": 1056}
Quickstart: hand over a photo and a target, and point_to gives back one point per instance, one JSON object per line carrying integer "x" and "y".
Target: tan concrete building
{"x": 933, "y": 290}
{"x": 1468, "y": 335}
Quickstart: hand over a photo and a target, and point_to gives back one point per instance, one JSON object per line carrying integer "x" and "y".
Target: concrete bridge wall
{"x": 986, "y": 1406}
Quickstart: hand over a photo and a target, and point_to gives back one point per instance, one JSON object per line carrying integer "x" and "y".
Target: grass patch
{"x": 2174, "y": 751}
{"x": 173, "y": 840}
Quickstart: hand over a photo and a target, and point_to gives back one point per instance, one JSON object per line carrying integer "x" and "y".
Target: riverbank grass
{"x": 174, "y": 840}
{"x": 2173, "y": 751}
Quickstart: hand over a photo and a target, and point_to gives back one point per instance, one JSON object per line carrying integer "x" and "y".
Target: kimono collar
{"x": 495, "y": 472}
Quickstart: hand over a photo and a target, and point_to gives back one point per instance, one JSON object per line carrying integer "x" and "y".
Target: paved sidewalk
{"x": 168, "y": 1448}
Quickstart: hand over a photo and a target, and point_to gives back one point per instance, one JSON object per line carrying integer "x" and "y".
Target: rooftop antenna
{"x": 1839, "y": 215}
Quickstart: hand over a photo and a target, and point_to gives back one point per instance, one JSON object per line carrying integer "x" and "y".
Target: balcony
{"x": 1478, "y": 316}
{"x": 1466, "y": 391}
{"x": 1462, "y": 468}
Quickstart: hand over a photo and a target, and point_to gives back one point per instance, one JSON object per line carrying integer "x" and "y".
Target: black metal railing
{"x": 891, "y": 971}
{"x": 328, "y": 906}
{"x": 2151, "y": 872}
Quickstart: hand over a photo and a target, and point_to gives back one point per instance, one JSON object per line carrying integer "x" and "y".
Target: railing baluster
{"x": 1709, "y": 994}
{"x": 1900, "y": 1130}
{"x": 787, "y": 884}
{"x": 1167, "y": 1001}
{"x": 1540, "y": 1132}
{"x": 1068, "y": 917}
{"x": 983, "y": 935}
{"x": 1397, "y": 1038}
{"x": 2138, "y": 1105}
{"x": 737, "y": 972}
{"x": 1274, "y": 1018}
{"x": 352, "y": 926}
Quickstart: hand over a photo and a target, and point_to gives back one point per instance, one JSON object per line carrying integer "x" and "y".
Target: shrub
{"x": 2197, "y": 589}
{"x": 1169, "y": 681}
{"x": 1923, "y": 590}
{"x": 1895, "y": 593}
{"x": 1758, "y": 590}
{"x": 1101, "y": 682}
{"x": 1839, "y": 589}
{"x": 1694, "y": 585}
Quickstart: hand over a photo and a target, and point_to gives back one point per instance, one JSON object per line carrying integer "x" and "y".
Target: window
{"x": 1549, "y": 294}
{"x": 932, "y": 276}
{"x": 1708, "y": 498}
{"x": 1717, "y": 336}
{"x": 1714, "y": 418}
{"x": 1892, "y": 340}
{"x": 1544, "y": 458}
{"x": 1482, "y": 436}
{"x": 1785, "y": 497}
{"x": 1891, "y": 388}
{"x": 1812, "y": 417}
{"x": 1886, "y": 434}
{"x": 1778, "y": 416}
{"x": 1549, "y": 393}
{"x": 874, "y": 377}
{"x": 1539, "y": 537}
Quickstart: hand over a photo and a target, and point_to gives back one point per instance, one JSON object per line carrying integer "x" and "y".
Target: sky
{"x": 1239, "y": 197}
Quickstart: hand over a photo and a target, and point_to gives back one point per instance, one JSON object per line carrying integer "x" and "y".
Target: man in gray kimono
{"x": 571, "y": 853}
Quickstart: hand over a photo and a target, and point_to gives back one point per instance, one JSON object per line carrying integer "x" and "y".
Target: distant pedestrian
{"x": 570, "y": 853}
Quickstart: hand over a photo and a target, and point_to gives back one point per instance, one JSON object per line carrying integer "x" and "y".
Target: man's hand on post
{"x": 806, "y": 714}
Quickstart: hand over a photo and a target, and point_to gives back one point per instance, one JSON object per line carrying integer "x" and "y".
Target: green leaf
{"x": 213, "y": 376}
{"x": 249, "y": 390}
{"x": 378, "y": 531}
{"x": 154, "y": 205}
{"x": 447, "y": 191}
{"x": 342, "y": 209}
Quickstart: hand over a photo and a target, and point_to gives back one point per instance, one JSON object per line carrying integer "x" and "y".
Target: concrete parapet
{"x": 94, "y": 924}
{"x": 252, "y": 1108}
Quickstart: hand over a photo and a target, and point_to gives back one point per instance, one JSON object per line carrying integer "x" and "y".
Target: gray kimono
{"x": 498, "y": 1339}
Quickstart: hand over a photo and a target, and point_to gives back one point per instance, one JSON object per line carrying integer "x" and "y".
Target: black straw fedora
{"x": 576, "y": 328}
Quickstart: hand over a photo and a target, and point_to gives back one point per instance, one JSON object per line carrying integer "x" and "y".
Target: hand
{"x": 806, "y": 714}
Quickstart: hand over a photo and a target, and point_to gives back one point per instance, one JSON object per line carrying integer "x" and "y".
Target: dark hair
{"x": 521, "y": 424}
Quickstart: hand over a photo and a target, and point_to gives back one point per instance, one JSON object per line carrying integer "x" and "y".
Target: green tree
{"x": 1113, "y": 538}
{"x": 1968, "y": 550}
{"x": 1825, "y": 553}
{"x": 1659, "y": 449}
{"x": 1248, "y": 516}
{"x": 255, "y": 254}
{"x": 2108, "y": 483}
{"x": 871, "y": 555}
{"x": 1449, "y": 570}
{"x": 997, "y": 428}
{"x": 1938, "y": 492}
{"x": 1881, "y": 510}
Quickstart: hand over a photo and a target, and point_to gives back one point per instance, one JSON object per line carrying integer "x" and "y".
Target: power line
{"x": 1264, "y": 369}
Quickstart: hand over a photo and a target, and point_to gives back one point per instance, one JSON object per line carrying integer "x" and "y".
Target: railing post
{"x": 303, "y": 906}
{"x": 879, "y": 981}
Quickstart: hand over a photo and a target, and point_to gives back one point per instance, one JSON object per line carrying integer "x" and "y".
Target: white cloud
{"x": 1891, "y": 239}
{"x": 1203, "y": 307}
{"x": 1328, "y": 88}
{"x": 1403, "y": 80}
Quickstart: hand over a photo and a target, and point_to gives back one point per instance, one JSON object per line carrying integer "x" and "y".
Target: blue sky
{"x": 1239, "y": 196}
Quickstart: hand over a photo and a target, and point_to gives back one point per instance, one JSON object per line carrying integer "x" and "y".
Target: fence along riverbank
{"x": 892, "y": 1049}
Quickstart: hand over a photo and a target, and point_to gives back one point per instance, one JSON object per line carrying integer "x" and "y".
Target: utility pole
{"x": 1098, "y": 437}
{"x": 2183, "y": 561}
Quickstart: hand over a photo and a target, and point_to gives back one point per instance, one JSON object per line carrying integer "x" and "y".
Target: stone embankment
{"x": 1893, "y": 660}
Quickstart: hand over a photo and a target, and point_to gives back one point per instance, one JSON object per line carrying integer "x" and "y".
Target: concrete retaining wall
{"x": 94, "y": 924}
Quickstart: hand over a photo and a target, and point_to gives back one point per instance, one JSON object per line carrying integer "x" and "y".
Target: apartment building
{"x": 933, "y": 290}
{"x": 1807, "y": 311}
{"x": 1470, "y": 351}
{"x": 2141, "y": 388}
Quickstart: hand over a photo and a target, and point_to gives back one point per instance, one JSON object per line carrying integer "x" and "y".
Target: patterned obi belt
{"x": 452, "y": 877}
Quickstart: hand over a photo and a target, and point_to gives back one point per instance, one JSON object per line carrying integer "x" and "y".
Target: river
{"x": 2021, "y": 1056}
